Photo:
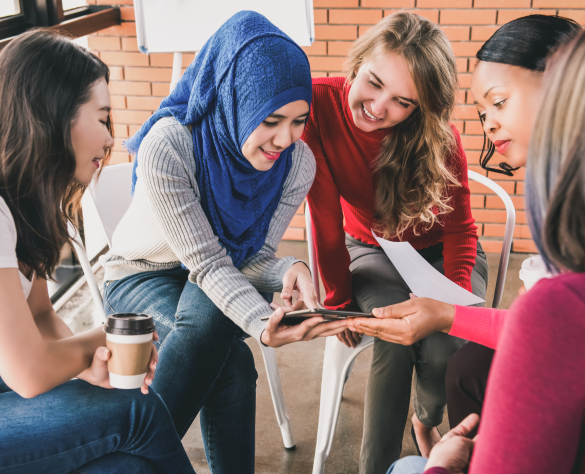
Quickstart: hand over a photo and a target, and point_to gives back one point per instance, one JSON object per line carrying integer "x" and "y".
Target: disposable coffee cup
{"x": 129, "y": 340}
{"x": 533, "y": 269}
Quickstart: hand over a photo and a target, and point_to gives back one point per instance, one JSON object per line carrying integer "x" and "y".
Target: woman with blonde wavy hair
{"x": 388, "y": 159}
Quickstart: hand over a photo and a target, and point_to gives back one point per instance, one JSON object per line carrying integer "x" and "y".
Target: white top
{"x": 8, "y": 245}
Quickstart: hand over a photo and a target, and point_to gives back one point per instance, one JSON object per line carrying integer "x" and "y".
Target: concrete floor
{"x": 300, "y": 370}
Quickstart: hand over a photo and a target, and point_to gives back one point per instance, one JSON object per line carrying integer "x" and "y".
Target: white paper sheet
{"x": 422, "y": 279}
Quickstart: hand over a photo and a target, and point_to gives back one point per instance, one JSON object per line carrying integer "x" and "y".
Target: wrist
{"x": 262, "y": 338}
{"x": 446, "y": 315}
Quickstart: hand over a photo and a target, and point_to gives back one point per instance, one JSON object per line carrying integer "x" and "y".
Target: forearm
{"x": 52, "y": 327}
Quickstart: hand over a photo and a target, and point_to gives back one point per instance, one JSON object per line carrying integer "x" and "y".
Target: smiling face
{"x": 275, "y": 134}
{"x": 89, "y": 134}
{"x": 383, "y": 93}
{"x": 507, "y": 98}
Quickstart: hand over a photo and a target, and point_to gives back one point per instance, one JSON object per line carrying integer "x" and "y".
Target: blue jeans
{"x": 204, "y": 364}
{"x": 87, "y": 429}
{"x": 408, "y": 465}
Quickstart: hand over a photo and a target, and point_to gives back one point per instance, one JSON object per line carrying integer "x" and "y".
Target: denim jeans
{"x": 408, "y": 465}
{"x": 204, "y": 364}
{"x": 86, "y": 429}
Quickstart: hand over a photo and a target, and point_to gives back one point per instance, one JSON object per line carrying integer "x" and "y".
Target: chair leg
{"x": 337, "y": 363}
{"x": 277, "y": 397}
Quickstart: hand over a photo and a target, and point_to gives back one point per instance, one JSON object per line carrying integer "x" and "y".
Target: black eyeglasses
{"x": 502, "y": 168}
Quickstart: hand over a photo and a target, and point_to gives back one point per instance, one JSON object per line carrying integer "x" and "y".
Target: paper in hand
{"x": 422, "y": 279}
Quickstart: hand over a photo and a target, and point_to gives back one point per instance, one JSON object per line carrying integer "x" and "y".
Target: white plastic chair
{"x": 112, "y": 198}
{"x": 338, "y": 360}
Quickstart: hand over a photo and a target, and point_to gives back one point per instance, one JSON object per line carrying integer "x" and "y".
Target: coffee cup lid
{"x": 129, "y": 324}
{"x": 534, "y": 266}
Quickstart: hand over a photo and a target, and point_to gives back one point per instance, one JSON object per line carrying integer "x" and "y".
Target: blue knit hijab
{"x": 245, "y": 71}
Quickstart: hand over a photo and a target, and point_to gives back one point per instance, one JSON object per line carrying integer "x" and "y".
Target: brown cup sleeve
{"x": 129, "y": 359}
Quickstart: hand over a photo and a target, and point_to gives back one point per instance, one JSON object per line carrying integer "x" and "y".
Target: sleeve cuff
{"x": 474, "y": 324}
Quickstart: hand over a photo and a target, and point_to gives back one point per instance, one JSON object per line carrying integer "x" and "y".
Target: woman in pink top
{"x": 535, "y": 404}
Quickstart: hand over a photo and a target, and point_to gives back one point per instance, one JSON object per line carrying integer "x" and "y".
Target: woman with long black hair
{"x": 55, "y": 133}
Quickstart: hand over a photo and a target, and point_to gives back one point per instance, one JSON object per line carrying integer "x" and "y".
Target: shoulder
{"x": 555, "y": 305}
{"x": 167, "y": 138}
{"x": 6, "y": 219}
{"x": 302, "y": 172}
{"x": 327, "y": 87}
{"x": 456, "y": 161}
{"x": 8, "y": 237}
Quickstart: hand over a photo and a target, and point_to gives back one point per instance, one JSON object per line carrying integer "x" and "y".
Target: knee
{"x": 459, "y": 372}
{"x": 243, "y": 368}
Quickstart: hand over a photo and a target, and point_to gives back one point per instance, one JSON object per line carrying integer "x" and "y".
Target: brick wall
{"x": 139, "y": 82}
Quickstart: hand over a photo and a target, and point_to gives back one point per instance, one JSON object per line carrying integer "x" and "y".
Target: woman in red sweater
{"x": 388, "y": 159}
{"x": 534, "y": 414}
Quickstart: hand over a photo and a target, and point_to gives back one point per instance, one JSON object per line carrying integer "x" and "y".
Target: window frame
{"x": 77, "y": 22}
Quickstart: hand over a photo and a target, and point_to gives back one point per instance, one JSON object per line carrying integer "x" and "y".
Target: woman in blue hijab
{"x": 219, "y": 174}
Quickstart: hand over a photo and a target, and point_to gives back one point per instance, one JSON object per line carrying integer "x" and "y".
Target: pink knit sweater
{"x": 533, "y": 416}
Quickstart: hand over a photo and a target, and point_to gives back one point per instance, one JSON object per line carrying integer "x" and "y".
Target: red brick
{"x": 518, "y": 175}
{"x": 294, "y": 234}
{"x": 494, "y": 202}
{"x": 120, "y": 130}
{"x": 483, "y": 33}
{"x": 298, "y": 221}
{"x": 461, "y": 64}
{"x": 130, "y": 44}
{"x": 318, "y": 48}
{"x": 388, "y": 3}
{"x": 501, "y": 4}
{"x": 326, "y": 63}
{"x": 456, "y": 33}
{"x": 143, "y": 103}
{"x": 301, "y": 209}
{"x": 125, "y": 29}
{"x": 124, "y": 58}
{"x": 465, "y": 112}
{"x": 464, "y": 81}
{"x": 477, "y": 201}
{"x": 470, "y": 98}
{"x": 494, "y": 230}
{"x": 339, "y": 48}
{"x": 466, "y": 48}
{"x": 557, "y": 4}
{"x": 129, "y": 88}
{"x": 154, "y": 74}
{"x": 471, "y": 142}
{"x": 160, "y": 89}
{"x": 320, "y": 16}
{"x": 104, "y": 43}
{"x": 489, "y": 215}
{"x": 523, "y": 232}
{"x": 335, "y": 3}
{"x": 118, "y": 144}
{"x": 468, "y": 17}
{"x": 355, "y": 17}
{"x": 458, "y": 125}
{"x": 166, "y": 59}
{"x": 477, "y": 188}
{"x": 118, "y": 101}
{"x": 520, "y": 187}
{"x": 130, "y": 116}
{"x": 505, "y": 16}
{"x": 491, "y": 246}
{"x": 521, "y": 217}
{"x": 119, "y": 157}
{"x": 133, "y": 129}
{"x": 473, "y": 127}
{"x": 319, "y": 74}
{"x": 521, "y": 245}
{"x": 444, "y": 3}
{"x": 362, "y": 29}
{"x": 335, "y": 32}
{"x": 116, "y": 73}
{"x": 431, "y": 15}
{"x": 472, "y": 157}
{"x": 577, "y": 15}
{"x": 127, "y": 13}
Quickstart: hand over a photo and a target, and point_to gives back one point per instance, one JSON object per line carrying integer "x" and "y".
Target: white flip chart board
{"x": 176, "y": 26}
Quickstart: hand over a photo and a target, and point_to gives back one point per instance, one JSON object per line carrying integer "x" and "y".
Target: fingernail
{"x": 149, "y": 381}
{"x": 154, "y": 365}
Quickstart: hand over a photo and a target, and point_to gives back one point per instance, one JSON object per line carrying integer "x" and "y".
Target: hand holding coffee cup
{"x": 133, "y": 357}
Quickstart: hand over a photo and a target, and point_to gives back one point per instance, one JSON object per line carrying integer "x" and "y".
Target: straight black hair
{"x": 45, "y": 79}
{"x": 525, "y": 42}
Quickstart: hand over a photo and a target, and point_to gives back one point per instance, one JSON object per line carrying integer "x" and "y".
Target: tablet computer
{"x": 297, "y": 317}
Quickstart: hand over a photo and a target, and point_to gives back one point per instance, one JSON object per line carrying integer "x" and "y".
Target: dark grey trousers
{"x": 377, "y": 283}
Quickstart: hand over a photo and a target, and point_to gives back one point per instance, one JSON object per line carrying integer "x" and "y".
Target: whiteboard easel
{"x": 177, "y": 26}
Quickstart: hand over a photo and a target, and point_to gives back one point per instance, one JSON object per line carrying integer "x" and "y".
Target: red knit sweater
{"x": 343, "y": 187}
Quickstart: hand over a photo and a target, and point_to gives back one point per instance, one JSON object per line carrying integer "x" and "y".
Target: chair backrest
{"x": 111, "y": 195}
{"x": 506, "y": 246}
